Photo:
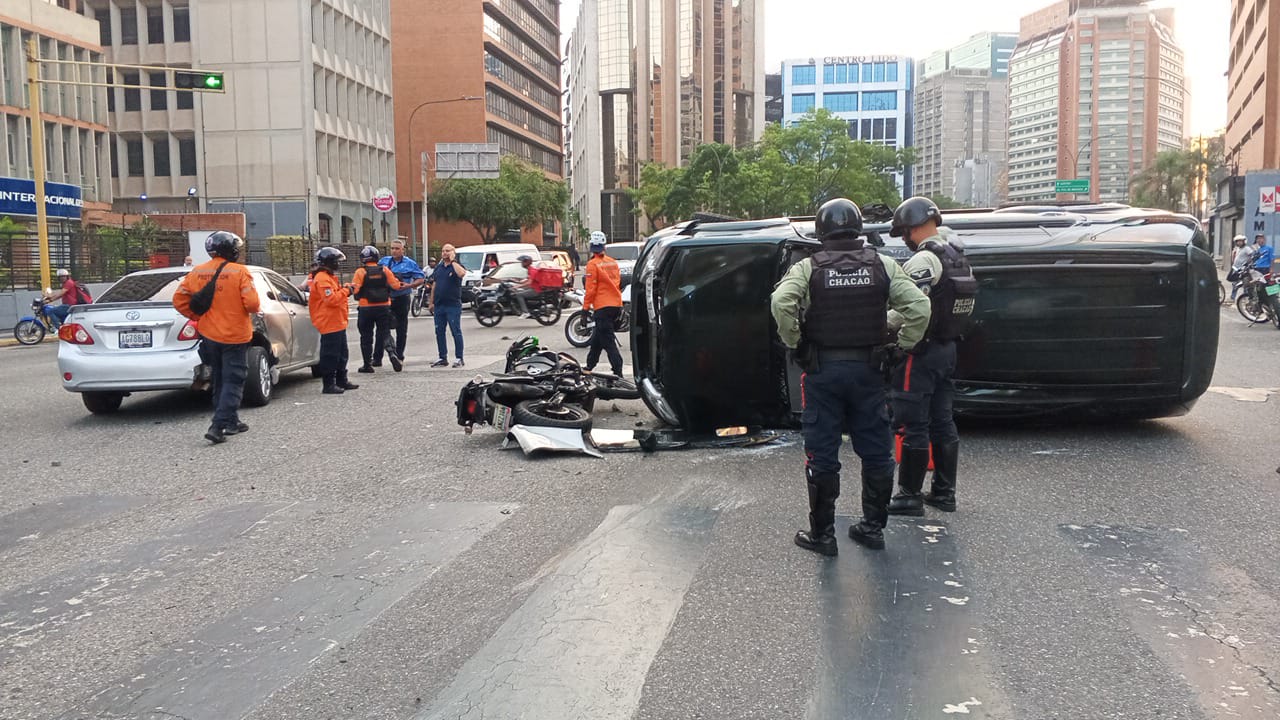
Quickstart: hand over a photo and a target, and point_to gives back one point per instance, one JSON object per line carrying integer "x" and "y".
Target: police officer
{"x": 327, "y": 303}
{"x": 371, "y": 285}
{"x": 831, "y": 309}
{"x": 922, "y": 387}
{"x": 602, "y": 296}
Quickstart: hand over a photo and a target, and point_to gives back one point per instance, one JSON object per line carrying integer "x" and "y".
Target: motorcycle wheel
{"x": 1222, "y": 293}
{"x": 1250, "y": 309}
{"x": 488, "y": 314}
{"x": 548, "y": 314}
{"x": 415, "y": 307}
{"x": 578, "y": 329}
{"x": 28, "y": 332}
{"x": 612, "y": 387}
{"x": 540, "y": 413}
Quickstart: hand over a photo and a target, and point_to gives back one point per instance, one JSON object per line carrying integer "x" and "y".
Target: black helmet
{"x": 914, "y": 212}
{"x": 369, "y": 254}
{"x": 329, "y": 257}
{"x": 525, "y": 259}
{"x": 223, "y": 244}
{"x": 838, "y": 218}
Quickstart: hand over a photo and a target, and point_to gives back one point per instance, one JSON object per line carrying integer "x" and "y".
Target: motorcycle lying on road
{"x": 1259, "y": 300}
{"x": 493, "y": 302}
{"x": 31, "y": 329}
{"x": 581, "y": 323}
{"x": 540, "y": 388}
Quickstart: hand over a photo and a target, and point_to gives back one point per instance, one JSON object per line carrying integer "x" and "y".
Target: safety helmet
{"x": 223, "y": 244}
{"x": 329, "y": 257}
{"x": 63, "y": 272}
{"x": 1239, "y": 238}
{"x": 524, "y": 259}
{"x": 598, "y": 241}
{"x": 369, "y": 254}
{"x": 838, "y": 218}
{"x": 914, "y": 212}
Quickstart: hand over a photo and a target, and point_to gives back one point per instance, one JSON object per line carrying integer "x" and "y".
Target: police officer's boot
{"x": 345, "y": 383}
{"x": 909, "y": 501}
{"x": 877, "y": 486}
{"x": 331, "y": 386}
{"x": 824, "y": 488}
{"x": 942, "y": 494}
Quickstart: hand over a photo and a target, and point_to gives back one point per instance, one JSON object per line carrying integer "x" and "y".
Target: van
{"x": 479, "y": 259}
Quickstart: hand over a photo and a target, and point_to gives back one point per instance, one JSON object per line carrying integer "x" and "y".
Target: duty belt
{"x": 862, "y": 354}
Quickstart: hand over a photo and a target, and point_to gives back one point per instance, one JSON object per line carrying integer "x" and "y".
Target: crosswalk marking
{"x": 582, "y": 643}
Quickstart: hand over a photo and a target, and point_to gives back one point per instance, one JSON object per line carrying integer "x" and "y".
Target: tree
{"x": 521, "y": 197}
{"x": 1164, "y": 183}
{"x": 944, "y": 202}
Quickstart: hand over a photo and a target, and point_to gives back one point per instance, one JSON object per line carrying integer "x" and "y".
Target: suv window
{"x": 148, "y": 287}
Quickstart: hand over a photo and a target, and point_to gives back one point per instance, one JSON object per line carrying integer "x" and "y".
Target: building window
{"x": 880, "y": 100}
{"x": 803, "y": 75}
{"x": 155, "y": 24}
{"x": 160, "y": 156}
{"x": 104, "y": 27}
{"x": 802, "y": 103}
{"x": 115, "y": 158}
{"x": 133, "y": 155}
{"x": 132, "y": 95}
{"x": 840, "y": 102}
{"x": 128, "y": 27}
{"x": 185, "y": 100}
{"x": 891, "y": 72}
{"x": 158, "y": 97}
{"x": 868, "y": 72}
{"x": 326, "y": 228}
{"x": 111, "y": 92}
{"x": 182, "y": 24}
{"x": 877, "y": 72}
{"x": 187, "y": 157}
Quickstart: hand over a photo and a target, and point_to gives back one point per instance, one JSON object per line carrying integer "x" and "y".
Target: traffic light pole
{"x": 37, "y": 157}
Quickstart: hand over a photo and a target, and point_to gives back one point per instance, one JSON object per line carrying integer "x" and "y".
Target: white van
{"x": 478, "y": 259}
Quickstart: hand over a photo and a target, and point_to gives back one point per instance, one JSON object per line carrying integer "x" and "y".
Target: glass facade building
{"x": 874, "y": 94}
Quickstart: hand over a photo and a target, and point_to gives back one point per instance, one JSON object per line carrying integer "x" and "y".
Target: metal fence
{"x": 99, "y": 255}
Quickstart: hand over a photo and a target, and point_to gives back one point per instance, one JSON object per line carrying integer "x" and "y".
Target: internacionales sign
{"x": 18, "y": 197}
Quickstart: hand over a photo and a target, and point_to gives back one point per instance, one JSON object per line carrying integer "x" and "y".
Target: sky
{"x": 916, "y": 28}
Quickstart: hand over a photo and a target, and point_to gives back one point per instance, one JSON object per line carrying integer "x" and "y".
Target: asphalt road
{"x": 358, "y": 556}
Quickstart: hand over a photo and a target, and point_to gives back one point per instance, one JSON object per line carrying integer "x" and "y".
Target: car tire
{"x": 257, "y": 383}
{"x": 28, "y": 332}
{"x": 540, "y": 413}
{"x": 102, "y": 403}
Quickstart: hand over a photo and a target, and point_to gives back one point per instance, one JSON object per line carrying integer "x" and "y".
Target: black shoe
{"x": 945, "y": 503}
{"x": 235, "y": 429}
{"x": 908, "y": 504}
{"x": 396, "y": 364}
{"x": 376, "y": 364}
{"x": 821, "y": 544}
{"x": 867, "y": 535}
{"x": 348, "y": 385}
{"x": 215, "y": 435}
{"x": 942, "y": 492}
{"x": 911, "y": 472}
{"x": 332, "y": 390}
{"x": 440, "y": 363}
{"x": 364, "y": 369}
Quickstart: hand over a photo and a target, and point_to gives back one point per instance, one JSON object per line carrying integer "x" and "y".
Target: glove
{"x": 919, "y": 348}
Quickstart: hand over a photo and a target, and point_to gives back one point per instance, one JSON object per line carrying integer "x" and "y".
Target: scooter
{"x": 31, "y": 329}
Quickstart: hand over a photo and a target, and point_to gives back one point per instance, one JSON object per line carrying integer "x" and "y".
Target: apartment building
{"x": 1253, "y": 85}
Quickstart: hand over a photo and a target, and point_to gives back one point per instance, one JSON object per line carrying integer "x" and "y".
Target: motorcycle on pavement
{"x": 1259, "y": 300}
{"x": 31, "y": 329}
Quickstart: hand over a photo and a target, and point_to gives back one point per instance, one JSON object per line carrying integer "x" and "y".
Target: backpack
{"x": 202, "y": 299}
{"x": 84, "y": 298}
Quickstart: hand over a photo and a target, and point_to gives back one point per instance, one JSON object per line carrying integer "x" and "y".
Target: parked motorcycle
{"x": 1259, "y": 300}
{"x": 31, "y": 329}
{"x": 493, "y": 302}
{"x": 580, "y": 325}
{"x": 421, "y": 300}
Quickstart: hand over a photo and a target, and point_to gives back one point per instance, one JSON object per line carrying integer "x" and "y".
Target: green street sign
{"x": 1071, "y": 186}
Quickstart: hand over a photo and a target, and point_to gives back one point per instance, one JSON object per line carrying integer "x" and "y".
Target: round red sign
{"x": 384, "y": 200}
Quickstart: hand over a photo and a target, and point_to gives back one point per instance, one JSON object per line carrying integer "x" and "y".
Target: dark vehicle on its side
{"x": 1096, "y": 310}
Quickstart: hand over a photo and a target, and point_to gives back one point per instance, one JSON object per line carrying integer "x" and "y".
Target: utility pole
{"x": 37, "y": 156}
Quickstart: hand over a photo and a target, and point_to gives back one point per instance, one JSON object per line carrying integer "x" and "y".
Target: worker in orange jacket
{"x": 328, "y": 304}
{"x": 372, "y": 285}
{"x": 225, "y": 328}
{"x": 604, "y": 299}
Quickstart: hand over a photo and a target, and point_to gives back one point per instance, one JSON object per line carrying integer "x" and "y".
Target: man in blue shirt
{"x": 408, "y": 273}
{"x": 446, "y": 303}
{"x": 1264, "y": 256}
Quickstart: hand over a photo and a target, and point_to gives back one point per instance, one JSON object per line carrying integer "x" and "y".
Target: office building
{"x": 690, "y": 73}
{"x": 1253, "y": 93}
{"x": 1096, "y": 90}
{"x": 75, "y": 127}
{"x": 773, "y": 98}
{"x": 872, "y": 93}
{"x": 474, "y": 73}
{"x": 989, "y": 51}
{"x": 301, "y": 138}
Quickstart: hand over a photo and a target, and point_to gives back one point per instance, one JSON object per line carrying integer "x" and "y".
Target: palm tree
{"x": 1164, "y": 183}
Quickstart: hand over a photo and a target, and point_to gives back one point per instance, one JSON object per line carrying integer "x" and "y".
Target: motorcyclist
{"x": 603, "y": 297}
{"x": 1241, "y": 258}
{"x": 526, "y": 288}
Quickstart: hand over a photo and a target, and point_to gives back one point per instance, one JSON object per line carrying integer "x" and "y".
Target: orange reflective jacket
{"x": 602, "y": 283}
{"x": 234, "y": 299}
{"x": 328, "y": 303}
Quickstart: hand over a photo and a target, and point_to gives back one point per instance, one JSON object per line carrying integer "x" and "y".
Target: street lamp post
{"x": 413, "y": 213}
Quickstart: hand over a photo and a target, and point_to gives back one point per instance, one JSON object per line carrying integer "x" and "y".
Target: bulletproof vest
{"x": 848, "y": 294}
{"x": 375, "y": 288}
{"x": 953, "y": 297}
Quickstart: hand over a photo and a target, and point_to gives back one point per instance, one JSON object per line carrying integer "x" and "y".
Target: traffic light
{"x": 198, "y": 81}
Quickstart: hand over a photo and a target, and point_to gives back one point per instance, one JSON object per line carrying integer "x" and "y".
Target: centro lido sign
{"x": 857, "y": 59}
{"x": 18, "y": 197}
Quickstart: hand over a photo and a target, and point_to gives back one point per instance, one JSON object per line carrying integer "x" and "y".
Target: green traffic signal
{"x": 198, "y": 81}
{"x": 213, "y": 81}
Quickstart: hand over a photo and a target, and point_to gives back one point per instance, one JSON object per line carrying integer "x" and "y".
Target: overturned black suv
{"x": 1097, "y": 310}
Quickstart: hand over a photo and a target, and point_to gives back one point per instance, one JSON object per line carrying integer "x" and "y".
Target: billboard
{"x": 1261, "y": 215}
{"x": 18, "y": 197}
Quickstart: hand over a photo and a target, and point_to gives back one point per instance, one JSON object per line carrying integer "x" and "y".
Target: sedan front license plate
{"x": 139, "y": 339}
{"x": 1273, "y": 289}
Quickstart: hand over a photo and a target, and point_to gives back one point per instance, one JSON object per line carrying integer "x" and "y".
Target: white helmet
{"x": 63, "y": 272}
{"x": 1239, "y": 238}
{"x": 598, "y": 240}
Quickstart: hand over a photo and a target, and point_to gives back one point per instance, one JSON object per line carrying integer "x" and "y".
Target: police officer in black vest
{"x": 922, "y": 386}
{"x": 831, "y": 309}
